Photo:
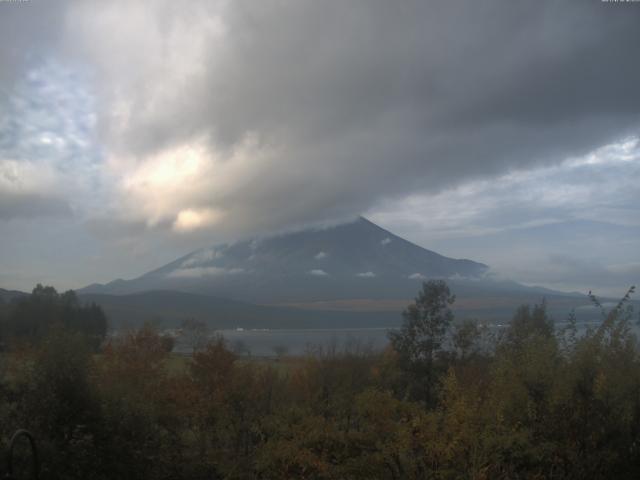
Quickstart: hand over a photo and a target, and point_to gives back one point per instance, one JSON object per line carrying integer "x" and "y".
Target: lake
{"x": 266, "y": 342}
{"x": 262, "y": 342}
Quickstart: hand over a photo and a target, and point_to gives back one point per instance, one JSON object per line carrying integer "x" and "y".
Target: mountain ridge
{"x": 353, "y": 260}
{"x": 353, "y": 274}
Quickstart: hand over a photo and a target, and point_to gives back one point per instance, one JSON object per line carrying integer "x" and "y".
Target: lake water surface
{"x": 297, "y": 342}
{"x": 264, "y": 342}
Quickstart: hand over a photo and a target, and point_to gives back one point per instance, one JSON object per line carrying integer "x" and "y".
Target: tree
{"x": 419, "y": 342}
{"x": 133, "y": 382}
{"x": 195, "y": 334}
{"x": 212, "y": 366}
{"x": 280, "y": 350}
{"x": 60, "y": 404}
{"x": 35, "y": 316}
{"x": 467, "y": 338}
{"x": 168, "y": 342}
{"x": 239, "y": 347}
{"x": 527, "y": 323}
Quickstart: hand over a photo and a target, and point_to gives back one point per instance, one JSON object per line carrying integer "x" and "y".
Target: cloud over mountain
{"x": 221, "y": 112}
{"x": 159, "y": 125}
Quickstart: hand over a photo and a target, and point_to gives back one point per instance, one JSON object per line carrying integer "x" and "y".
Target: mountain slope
{"x": 353, "y": 260}
{"x": 355, "y": 274}
{"x": 7, "y": 296}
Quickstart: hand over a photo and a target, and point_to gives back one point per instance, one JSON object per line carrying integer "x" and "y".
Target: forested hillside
{"x": 31, "y": 318}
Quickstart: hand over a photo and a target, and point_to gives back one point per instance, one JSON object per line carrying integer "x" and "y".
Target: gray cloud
{"x": 600, "y": 186}
{"x": 28, "y": 32}
{"x": 571, "y": 226}
{"x": 348, "y": 102}
{"x": 30, "y": 206}
{"x": 48, "y": 164}
{"x": 572, "y": 272}
{"x": 218, "y": 119}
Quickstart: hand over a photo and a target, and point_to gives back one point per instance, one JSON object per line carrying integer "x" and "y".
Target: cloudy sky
{"x": 502, "y": 131}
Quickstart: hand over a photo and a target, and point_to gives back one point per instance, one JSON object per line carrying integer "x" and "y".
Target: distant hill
{"x": 169, "y": 308}
{"x": 7, "y": 296}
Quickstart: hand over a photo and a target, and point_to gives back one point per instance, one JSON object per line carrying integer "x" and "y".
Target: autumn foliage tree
{"x": 420, "y": 340}
{"x": 443, "y": 401}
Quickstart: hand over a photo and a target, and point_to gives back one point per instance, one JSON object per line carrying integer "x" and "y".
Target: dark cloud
{"x": 364, "y": 99}
{"x": 357, "y": 100}
{"x": 219, "y": 119}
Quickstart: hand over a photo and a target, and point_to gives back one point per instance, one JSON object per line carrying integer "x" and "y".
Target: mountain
{"x": 7, "y": 296}
{"x": 353, "y": 274}
{"x": 350, "y": 261}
